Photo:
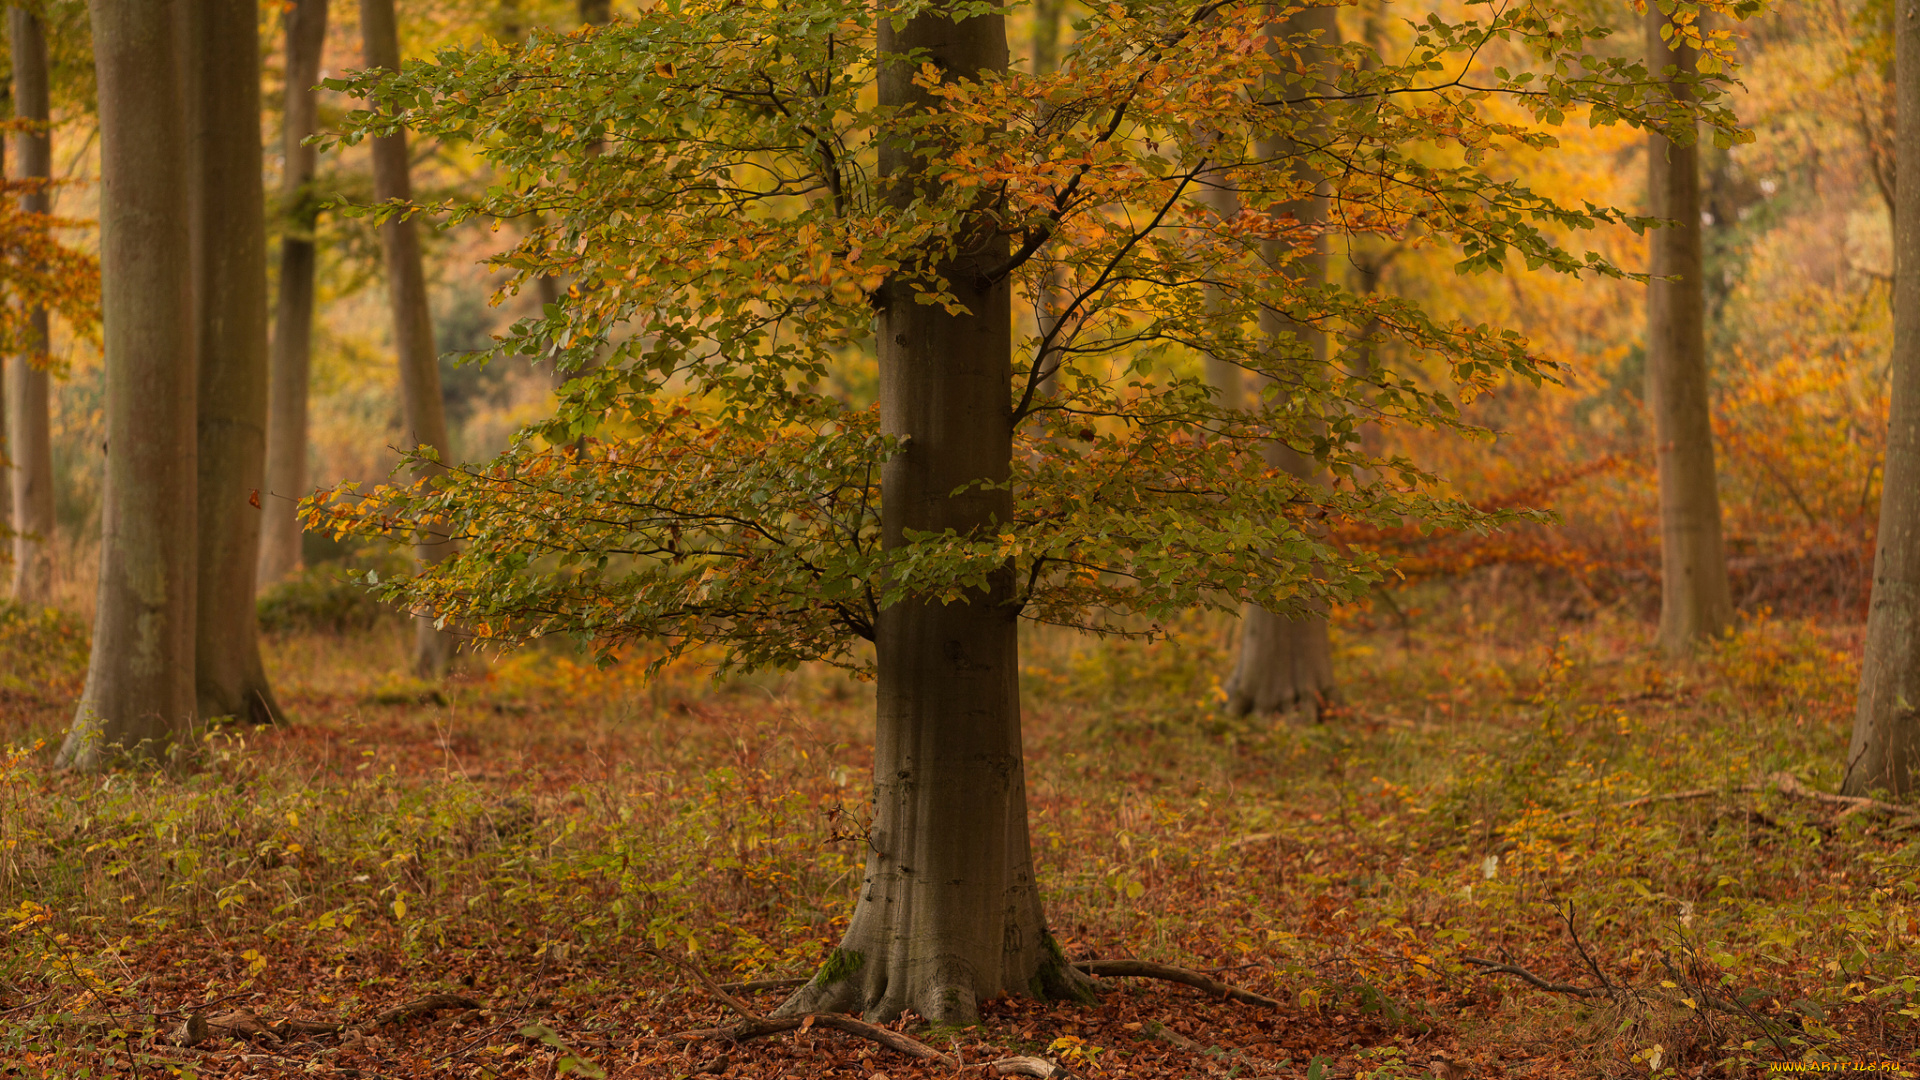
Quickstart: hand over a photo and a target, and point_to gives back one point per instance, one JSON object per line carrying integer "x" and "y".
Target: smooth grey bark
{"x": 1885, "y": 750}
{"x": 29, "y": 437}
{"x": 948, "y": 914}
{"x": 139, "y": 694}
{"x": 228, "y": 255}
{"x": 1285, "y": 663}
{"x": 425, "y": 411}
{"x": 1695, "y": 601}
{"x": 291, "y": 361}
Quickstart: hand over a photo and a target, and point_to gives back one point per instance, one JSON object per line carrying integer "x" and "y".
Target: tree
{"x": 423, "y": 409}
{"x": 221, "y": 64}
{"x": 1884, "y": 752}
{"x": 306, "y": 26}
{"x": 1285, "y": 662}
{"x": 1695, "y": 602}
{"x": 728, "y": 174}
{"x": 29, "y": 445}
{"x": 140, "y": 688}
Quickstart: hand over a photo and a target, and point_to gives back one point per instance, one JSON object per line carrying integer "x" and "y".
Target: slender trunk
{"x": 291, "y": 359}
{"x": 139, "y": 694}
{"x": 1695, "y": 603}
{"x": 1885, "y": 752}
{"x": 1285, "y": 663}
{"x": 221, "y": 50}
{"x": 29, "y": 440}
{"x": 426, "y": 415}
{"x": 949, "y": 914}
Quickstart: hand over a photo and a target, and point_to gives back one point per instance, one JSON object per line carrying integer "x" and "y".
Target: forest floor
{"x": 543, "y": 841}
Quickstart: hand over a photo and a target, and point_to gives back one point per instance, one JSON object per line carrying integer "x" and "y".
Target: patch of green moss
{"x": 842, "y": 964}
{"x": 1056, "y": 980}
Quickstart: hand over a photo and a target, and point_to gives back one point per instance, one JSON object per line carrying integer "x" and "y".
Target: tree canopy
{"x": 705, "y": 177}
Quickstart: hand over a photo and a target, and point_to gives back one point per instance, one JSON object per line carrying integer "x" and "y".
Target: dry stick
{"x": 432, "y": 1003}
{"x": 1039, "y": 1068}
{"x": 1529, "y": 977}
{"x": 1146, "y": 969}
{"x": 1680, "y": 796}
{"x": 1567, "y": 917}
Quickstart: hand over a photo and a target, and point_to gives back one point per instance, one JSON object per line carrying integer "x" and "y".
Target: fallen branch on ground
{"x": 1038, "y": 1068}
{"x": 1531, "y": 979}
{"x": 1682, "y": 796}
{"x": 1146, "y": 969}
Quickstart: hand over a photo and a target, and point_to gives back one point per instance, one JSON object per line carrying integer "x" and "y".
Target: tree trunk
{"x": 29, "y": 440}
{"x": 293, "y": 320}
{"x": 1285, "y": 663}
{"x": 139, "y": 694}
{"x": 228, "y": 253}
{"x": 949, "y": 914}
{"x": 1695, "y": 603}
{"x": 426, "y": 415}
{"x": 1886, "y": 726}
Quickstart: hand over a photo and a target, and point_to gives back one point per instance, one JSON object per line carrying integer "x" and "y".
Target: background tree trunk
{"x": 949, "y": 913}
{"x": 292, "y": 356}
{"x": 426, "y": 415}
{"x": 1886, "y": 725}
{"x": 139, "y": 693}
{"x": 1285, "y": 663}
{"x": 221, "y": 52}
{"x": 29, "y": 438}
{"x": 1695, "y": 603}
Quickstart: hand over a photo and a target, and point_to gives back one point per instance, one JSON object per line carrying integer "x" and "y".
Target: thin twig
{"x": 1567, "y": 917}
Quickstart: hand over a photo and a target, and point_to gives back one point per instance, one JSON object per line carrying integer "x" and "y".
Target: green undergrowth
{"x": 1494, "y": 785}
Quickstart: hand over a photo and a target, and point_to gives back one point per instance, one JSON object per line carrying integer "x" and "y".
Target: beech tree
{"x": 1695, "y": 602}
{"x": 424, "y": 412}
{"x": 29, "y": 443}
{"x": 140, "y": 688}
{"x": 292, "y": 356}
{"x": 228, "y": 256}
{"x": 1285, "y": 661}
{"x": 732, "y": 178}
{"x": 1884, "y": 753}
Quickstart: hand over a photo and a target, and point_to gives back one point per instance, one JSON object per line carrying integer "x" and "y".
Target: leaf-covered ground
{"x": 542, "y": 841}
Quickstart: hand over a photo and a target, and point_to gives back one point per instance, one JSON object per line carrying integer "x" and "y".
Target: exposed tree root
{"x": 1788, "y": 784}
{"x": 1146, "y": 969}
{"x": 759, "y": 1027}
